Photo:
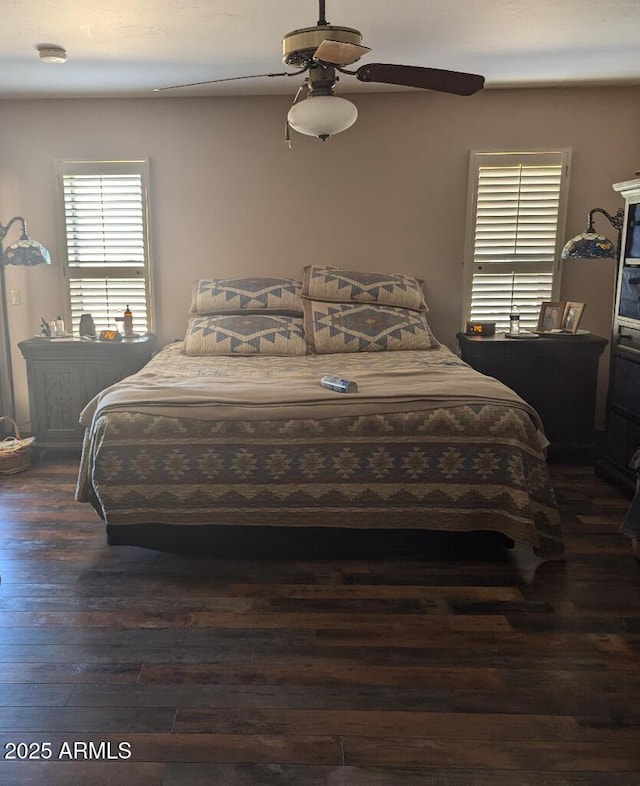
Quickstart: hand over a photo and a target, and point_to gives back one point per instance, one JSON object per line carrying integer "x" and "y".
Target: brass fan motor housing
{"x": 299, "y": 46}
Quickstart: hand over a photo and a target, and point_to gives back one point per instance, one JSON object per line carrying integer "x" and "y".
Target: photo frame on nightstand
{"x": 551, "y": 316}
{"x": 571, "y": 317}
{"x": 560, "y": 317}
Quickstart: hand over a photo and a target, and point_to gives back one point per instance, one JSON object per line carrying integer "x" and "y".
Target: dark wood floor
{"x": 432, "y": 666}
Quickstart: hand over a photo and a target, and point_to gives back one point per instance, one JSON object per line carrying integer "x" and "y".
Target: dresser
{"x": 65, "y": 374}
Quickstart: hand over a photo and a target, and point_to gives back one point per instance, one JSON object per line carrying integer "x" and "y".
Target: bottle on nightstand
{"x": 128, "y": 323}
{"x": 514, "y": 321}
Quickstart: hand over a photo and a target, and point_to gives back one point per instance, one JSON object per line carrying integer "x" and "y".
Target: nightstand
{"x": 557, "y": 376}
{"x": 65, "y": 374}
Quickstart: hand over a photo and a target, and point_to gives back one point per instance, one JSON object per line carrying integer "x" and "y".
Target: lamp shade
{"x": 589, "y": 245}
{"x": 26, "y": 252}
{"x": 322, "y": 115}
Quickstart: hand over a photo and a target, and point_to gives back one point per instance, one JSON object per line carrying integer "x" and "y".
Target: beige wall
{"x": 229, "y": 198}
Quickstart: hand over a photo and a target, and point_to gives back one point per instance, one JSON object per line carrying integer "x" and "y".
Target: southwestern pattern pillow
{"x": 351, "y": 286}
{"x": 245, "y": 334}
{"x": 349, "y": 327}
{"x": 212, "y": 296}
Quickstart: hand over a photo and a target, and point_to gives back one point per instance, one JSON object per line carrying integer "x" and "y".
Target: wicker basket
{"x": 15, "y": 452}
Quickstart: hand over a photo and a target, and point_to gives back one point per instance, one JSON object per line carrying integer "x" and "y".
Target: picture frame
{"x": 551, "y": 316}
{"x": 571, "y": 317}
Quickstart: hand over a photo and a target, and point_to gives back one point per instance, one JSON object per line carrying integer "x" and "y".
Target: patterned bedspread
{"x": 453, "y": 462}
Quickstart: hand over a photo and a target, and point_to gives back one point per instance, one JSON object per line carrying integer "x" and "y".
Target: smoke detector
{"x": 50, "y": 53}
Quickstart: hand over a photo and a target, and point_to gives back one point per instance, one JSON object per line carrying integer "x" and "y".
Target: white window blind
{"x": 517, "y": 204}
{"x": 106, "y": 239}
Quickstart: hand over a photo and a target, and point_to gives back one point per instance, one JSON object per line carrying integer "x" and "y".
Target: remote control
{"x": 339, "y": 384}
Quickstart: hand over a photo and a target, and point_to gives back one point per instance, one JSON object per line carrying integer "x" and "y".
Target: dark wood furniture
{"x": 622, "y": 430}
{"x": 557, "y": 376}
{"x": 64, "y": 374}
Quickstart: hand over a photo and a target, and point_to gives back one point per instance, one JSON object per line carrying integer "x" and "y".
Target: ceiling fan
{"x": 322, "y": 52}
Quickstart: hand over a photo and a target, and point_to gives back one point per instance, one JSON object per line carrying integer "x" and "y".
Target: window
{"x": 104, "y": 205}
{"x": 515, "y": 230}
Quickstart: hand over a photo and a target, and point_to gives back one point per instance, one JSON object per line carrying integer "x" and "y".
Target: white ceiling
{"x": 129, "y": 47}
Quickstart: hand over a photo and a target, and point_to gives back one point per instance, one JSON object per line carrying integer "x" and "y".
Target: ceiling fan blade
{"x": 340, "y": 53}
{"x": 456, "y": 82}
{"x": 229, "y": 79}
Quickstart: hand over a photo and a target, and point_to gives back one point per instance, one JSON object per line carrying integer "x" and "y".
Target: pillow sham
{"x": 349, "y": 286}
{"x": 245, "y": 334}
{"x": 351, "y": 327}
{"x": 219, "y": 295}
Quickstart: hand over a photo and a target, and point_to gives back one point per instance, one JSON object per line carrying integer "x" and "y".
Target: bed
{"x": 231, "y": 427}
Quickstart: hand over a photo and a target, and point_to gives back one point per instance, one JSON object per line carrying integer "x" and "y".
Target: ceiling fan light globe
{"x": 322, "y": 116}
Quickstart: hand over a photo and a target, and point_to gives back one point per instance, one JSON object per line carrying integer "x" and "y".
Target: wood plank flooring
{"x": 399, "y": 662}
